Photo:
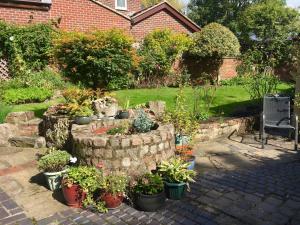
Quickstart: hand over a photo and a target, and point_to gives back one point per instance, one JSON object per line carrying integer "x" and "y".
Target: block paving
{"x": 265, "y": 194}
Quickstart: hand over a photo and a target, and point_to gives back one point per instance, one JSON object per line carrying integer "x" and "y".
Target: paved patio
{"x": 238, "y": 183}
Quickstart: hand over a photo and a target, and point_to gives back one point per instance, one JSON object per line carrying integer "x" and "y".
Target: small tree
{"x": 215, "y": 40}
{"x": 158, "y": 53}
{"x": 265, "y": 32}
{"x": 210, "y": 45}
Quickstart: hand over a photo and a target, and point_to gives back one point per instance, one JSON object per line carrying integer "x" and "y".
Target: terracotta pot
{"x": 74, "y": 195}
{"x": 112, "y": 201}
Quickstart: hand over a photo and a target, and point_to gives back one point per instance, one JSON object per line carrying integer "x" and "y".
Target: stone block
{"x": 120, "y": 153}
{"x": 146, "y": 139}
{"x": 40, "y": 142}
{"x": 164, "y": 135}
{"x": 156, "y": 139}
{"x": 158, "y": 107}
{"x": 167, "y": 145}
{"x": 136, "y": 140}
{"x": 99, "y": 152}
{"x": 6, "y": 132}
{"x": 114, "y": 142}
{"x": 126, "y": 162}
{"x": 125, "y": 142}
{"x": 153, "y": 149}
{"x": 161, "y": 146}
{"x": 144, "y": 150}
{"x": 100, "y": 141}
{"x": 108, "y": 153}
{"x": 19, "y": 117}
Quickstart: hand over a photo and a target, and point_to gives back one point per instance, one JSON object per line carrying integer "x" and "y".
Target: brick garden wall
{"x": 228, "y": 68}
{"x": 160, "y": 20}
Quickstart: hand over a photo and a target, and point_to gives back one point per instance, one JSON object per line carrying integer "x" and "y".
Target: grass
{"x": 227, "y": 98}
{"x": 38, "y": 108}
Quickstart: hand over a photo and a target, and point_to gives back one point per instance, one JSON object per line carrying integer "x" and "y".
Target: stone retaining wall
{"x": 132, "y": 154}
{"x": 223, "y": 128}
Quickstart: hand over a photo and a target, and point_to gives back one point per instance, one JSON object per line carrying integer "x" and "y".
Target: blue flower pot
{"x": 191, "y": 161}
{"x": 181, "y": 140}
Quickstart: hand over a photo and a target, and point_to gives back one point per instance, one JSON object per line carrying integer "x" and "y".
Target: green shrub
{"x": 142, "y": 123}
{"x": 215, "y": 40}
{"x": 47, "y": 79}
{"x": 158, "y": 53}
{"x": 26, "y": 47}
{"x": 235, "y": 81}
{"x": 260, "y": 84}
{"x": 25, "y": 95}
{"x": 4, "y": 110}
{"x": 54, "y": 162}
{"x": 98, "y": 59}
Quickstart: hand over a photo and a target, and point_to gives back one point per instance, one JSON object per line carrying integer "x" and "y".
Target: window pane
{"x": 121, "y": 3}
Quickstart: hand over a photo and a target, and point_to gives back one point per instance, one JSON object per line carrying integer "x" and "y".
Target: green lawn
{"x": 38, "y": 108}
{"x": 227, "y": 98}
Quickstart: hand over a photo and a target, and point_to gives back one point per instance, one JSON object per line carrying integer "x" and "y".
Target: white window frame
{"x": 120, "y": 8}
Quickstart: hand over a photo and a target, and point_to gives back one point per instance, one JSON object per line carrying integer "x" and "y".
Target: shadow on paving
{"x": 265, "y": 193}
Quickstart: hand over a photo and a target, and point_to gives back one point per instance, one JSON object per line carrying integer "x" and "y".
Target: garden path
{"x": 238, "y": 183}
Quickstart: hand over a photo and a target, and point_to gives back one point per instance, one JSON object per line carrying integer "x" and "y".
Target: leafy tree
{"x": 178, "y": 4}
{"x": 215, "y": 41}
{"x": 224, "y": 12}
{"x": 265, "y": 32}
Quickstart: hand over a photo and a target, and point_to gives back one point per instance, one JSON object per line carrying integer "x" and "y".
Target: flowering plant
{"x": 148, "y": 184}
{"x": 115, "y": 184}
{"x": 55, "y": 161}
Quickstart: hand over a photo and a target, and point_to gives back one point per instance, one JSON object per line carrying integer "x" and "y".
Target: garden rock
{"x": 157, "y": 107}
{"x": 19, "y": 117}
{"x": 27, "y": 142}
{"x": 106, "y": 107}
{"x": 6, "y": 132}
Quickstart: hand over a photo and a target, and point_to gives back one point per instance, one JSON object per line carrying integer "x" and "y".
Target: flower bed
{"x": 133, "y": 153}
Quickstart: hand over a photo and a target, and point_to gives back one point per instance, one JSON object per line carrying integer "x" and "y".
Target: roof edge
{"x": 111, "y": 9}
{"x": 161, "y": 6}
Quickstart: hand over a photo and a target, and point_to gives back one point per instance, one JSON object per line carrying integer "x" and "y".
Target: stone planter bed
{"x": 133, "y": 154}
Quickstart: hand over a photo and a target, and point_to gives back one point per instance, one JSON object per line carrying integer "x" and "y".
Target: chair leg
{"x": 296, "y": 137}
{"x": 263, "y": 138}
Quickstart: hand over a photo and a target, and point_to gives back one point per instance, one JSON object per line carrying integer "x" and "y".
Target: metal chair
{"x": 276, "y": 114}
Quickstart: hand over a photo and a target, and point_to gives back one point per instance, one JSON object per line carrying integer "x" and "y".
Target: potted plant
{"x": 124, "y": 113}
{"x": 186, "y": 154}
{"x": 80, "y": 183}
{"x": 149, "y": 192}
{"x": 54, "y": 166}
{"x": 114, "y": 186}
{"x": 81, "y": 113}
{"x": 176, "y": 177}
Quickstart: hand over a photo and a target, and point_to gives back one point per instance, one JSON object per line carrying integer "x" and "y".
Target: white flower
{"x": 11, "y": 38}
{"x": 73, "y": 159}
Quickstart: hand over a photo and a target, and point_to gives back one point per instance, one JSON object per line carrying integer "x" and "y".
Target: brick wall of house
{"x": 81, "y": 15}
{"x": 160, "y": 20}
{"x": 228, "y": 68}
{"x": 132, "y": 6}
{"x": 23, "y": 16}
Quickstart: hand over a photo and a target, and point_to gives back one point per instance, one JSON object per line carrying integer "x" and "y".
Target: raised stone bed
{"x": 218, "y": 128}
{"x": 132, "y": 154}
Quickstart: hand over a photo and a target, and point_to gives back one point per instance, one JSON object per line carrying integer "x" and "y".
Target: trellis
{"x": 4, "y": 72}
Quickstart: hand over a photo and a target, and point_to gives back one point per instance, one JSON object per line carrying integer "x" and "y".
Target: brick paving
{"x": 264, "y": 195}
{"x": 267, "y": 193}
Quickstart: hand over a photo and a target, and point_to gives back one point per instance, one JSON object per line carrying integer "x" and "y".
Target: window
{"x": 121, "y": 4}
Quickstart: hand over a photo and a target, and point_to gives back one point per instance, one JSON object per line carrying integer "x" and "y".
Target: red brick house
{"x": 85, "y": 15}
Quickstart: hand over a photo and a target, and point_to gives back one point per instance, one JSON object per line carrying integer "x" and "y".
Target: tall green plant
{"x": 260, "y": 84}
{"x": 158, "y": 52}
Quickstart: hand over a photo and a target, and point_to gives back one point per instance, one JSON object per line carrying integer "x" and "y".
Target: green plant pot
{"x": 54, "y": 179}
{"x": 175, "y": 191}
{"x": 82, "y": 120}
